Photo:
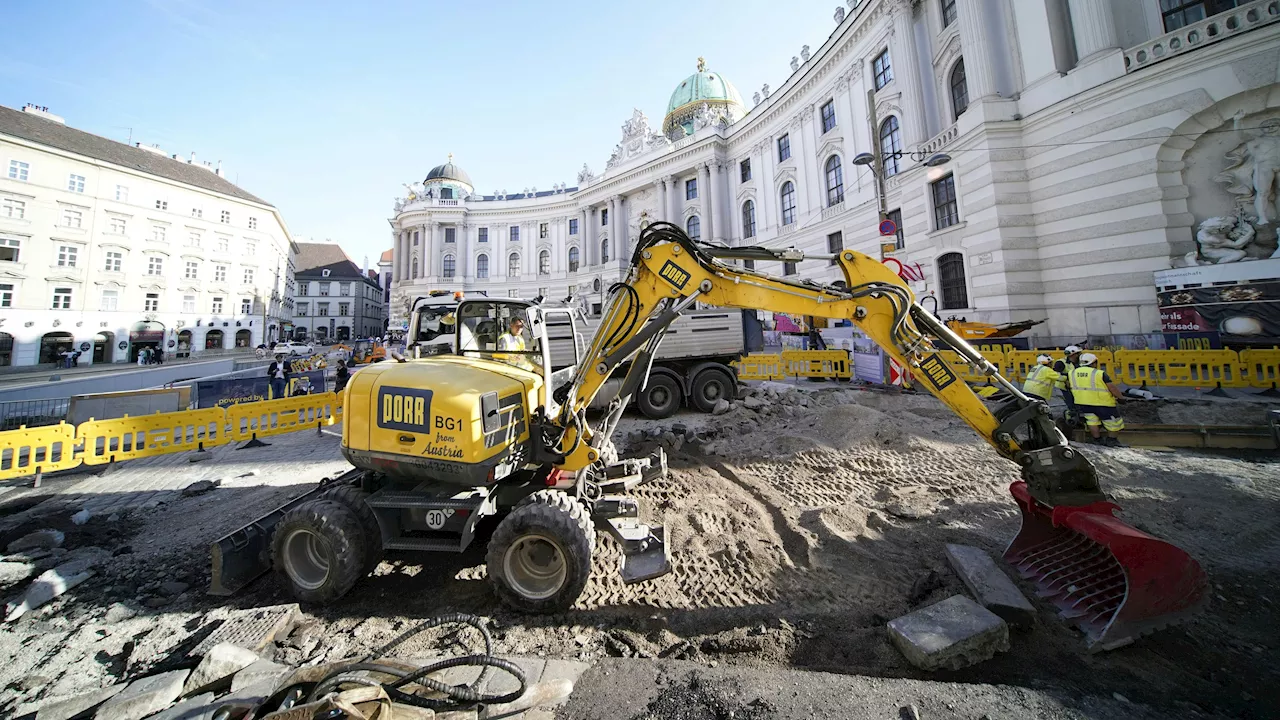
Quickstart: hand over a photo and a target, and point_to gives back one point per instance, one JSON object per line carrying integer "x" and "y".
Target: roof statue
{"x": 702, "y": 64}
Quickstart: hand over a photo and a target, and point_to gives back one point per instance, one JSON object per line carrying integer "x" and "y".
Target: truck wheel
{"x": 539, "y": 557}
{"x": 660, "y": 398}
{"x": 709, "y": 386}
{"x": 319, "y": 549}
{"x": 354, "y": 498}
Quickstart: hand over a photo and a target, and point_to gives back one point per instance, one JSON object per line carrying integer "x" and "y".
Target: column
{"x": 711, "y": 224}
{"x": 429, "y": 249}
{"x": 397, "y": 255}
{"x": 529, "y": 241}
{"x": 906, "y": 72}
{"x": 464, "y": 250}
{"x": 766, "y": 197}
{"x": 674, "y": 199}
{"x": 975, "y": 40}
{"x": 704, "y": 200}
{"x": 661, "y": 186}
{"x": 584, "y": 235}
{"x": 1094, "y": 27}
{"x": 404, "y": 257}
{"x": 724, "y": 214}
{"x": 615, "y": 244}
{"x": 801, "y": 151}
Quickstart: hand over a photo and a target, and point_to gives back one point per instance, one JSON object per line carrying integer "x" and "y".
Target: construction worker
{"x": 1041, "y": 379}
{"x": 1095, "y": 398}
{"x": 512, "y": 341}
{"x": 1064, "y": 367}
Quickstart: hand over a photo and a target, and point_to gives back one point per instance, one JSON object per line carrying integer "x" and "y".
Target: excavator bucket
{"x": 1112, "y": 581}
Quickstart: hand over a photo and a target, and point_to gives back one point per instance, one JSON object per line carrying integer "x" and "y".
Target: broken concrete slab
{"x": 49, "y": 585}
{"x": 219, "y": 664}
{"x": 990, "y": 586}
{"x": 200, "y": 487}
{"x": 38, "y": 540}
{"x": 12, "y": 573}
{"x": 249, "y": 698}
{"x": 252, "y": 629}
{"x": 144, "y": 697}
{"x": 260, "y": 672}
{"x": 952, "y": 634}
{"x": 200, "y": 707}
{"x": 69, "y": 706}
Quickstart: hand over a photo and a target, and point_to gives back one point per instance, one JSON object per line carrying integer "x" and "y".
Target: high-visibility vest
{"x": 1088, "y": 388}
{"x": 1040, "y": 382}
{"x": 514, "y": 343}
{"x": 1064, "y": 379}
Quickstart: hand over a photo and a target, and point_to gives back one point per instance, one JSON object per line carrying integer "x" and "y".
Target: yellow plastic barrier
{"x": 1260, "y": 368}
{"x": 128, "y": 438}
{"x": 969, "y": 373}
{"x": 30, "y": 451}
{"x": 816, "y": 363}
{"x": 276, "y": 417}
{"x": 759, "y": 366}
{"x": 1178, "y": 368}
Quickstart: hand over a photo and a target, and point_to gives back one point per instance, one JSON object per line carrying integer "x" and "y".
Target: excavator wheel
{"x": 539, "y": 557}
{"x": 318, "y": 548}
{"x": 354, "y": 498}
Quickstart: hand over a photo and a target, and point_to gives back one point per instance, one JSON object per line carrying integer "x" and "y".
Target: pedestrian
{"x": 75, "y": 359}
{"x": 159, "y": 356}
{"x": 1041, "y": 379}
{"x": 1095, "y": 396}
{"x": 276, "y": 377}
{"x": 1064, "y": 368}
{"x": 142, "y": 356}
{"x": 341, "y": 377}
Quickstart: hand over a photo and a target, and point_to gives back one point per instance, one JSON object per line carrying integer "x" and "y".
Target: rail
{"x": 1240, "y": 19}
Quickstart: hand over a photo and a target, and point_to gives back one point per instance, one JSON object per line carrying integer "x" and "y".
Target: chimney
{"x": 218, "y": 171}
{"x": 193, "y": 158}
{"x": 43, "y": 112}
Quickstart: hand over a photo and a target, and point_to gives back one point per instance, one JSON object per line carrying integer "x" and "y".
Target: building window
{"x": 896, "y": 217}
{"x": 19, "y": 170}
{"x": 114, "y": 261}
{"x": 880, "y": 66}
{"x": 415, "y": 238}
{"x": 246, "y": 306}
{"x": 122, "y": 193}
{"x": 253, "y": 223}
{"x": 694, "y": 227}
{"x": 946, "y": 212}
{"x": 959, "y": 90}
{"x": 248, "y": 276}
{"x": 325, "y": 287}
{"x": 217, "y": 306}
{"x": 542, "y": 231}
{"x": 117, "y": 226}
{"x": 450, "y": 235}
{"x": 226, "y": 217}
{"x": 828, "y": 116}
{"x": 749, "y": 219}
{"x": 573, "y": 226}
{"x": 158, "y": 233}
{"x": 197, "y": 212}
{"x": 573, "y": 259}
{"x": 744, "y": 170}
{"x": 749, "y": 264}
{"x": 188, "y": 303}
{"x": 450, "y": 265}
{"x": 788, "y": 267}
{"x": 62, "y": 298}
{"x": 220, "y": 274}
{"x": 344, "y": 288}
{"x": 784, "y": 147}
{"x": 6, "y": 295}
{"x": 482, "y": 266}
{"x": 15, "y": 209}
{"x": 483, "y": 235}
{"x": 151, "y": 303}
{"x": 788, "y": 203}
{"x": 193, "y": 239}
{"x": 110, "y": 300}
{"x": 155, "y": 265}
{"x": 604, "y": 216}
{"x": 9, "y": 248}
{"x": 67, "y": 255}
{"x": 691, "y": 189}
{"x": 513, "y": 265}
{"x": 193, "y": 270}
{"x": 1180, "y": 13}
{"x": 835, "y": 181}
{"x": 948, "y": 12}
{"x": 890, "y": 145}
{"x": 835, "y": 244}
{"x": 955, "y": 296}
{"x": 604, "y": 250}
{"x": 75, "y": 183}
{"x": 224, "y": 244}
{"x": 344, "y": 309}
{"x": 544, "y": 263}
{"x": 250, "y": 249}
{"x": 304, "y": 288}
{"x": 322, "y": 309}
{"x": 72, "y": 218}
{"x": 162, "y": 204}
{"x": 302, "y": 309}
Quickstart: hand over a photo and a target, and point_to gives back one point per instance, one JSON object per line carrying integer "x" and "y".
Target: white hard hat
{"x": 1072, "y": 349}
{"x": 1044, "y": 359}
{"x": 1088, "y": 359}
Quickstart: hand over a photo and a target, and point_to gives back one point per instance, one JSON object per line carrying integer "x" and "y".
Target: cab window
{"x": 483, "y": 325}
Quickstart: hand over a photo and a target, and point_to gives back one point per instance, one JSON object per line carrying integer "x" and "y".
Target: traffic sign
{"x": 888, "y": 227}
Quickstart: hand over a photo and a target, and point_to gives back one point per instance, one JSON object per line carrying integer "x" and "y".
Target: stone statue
{"x": 637, "y": 126}
{"x": 795, "y": 63}
{"x": 412, "y": 194}
{"x": 804, "y": 53}
{"x": 657, "y": 141}
{"x": 839, "y": 14}
{"x": 585, "y": 175}
{"x": 702, "y": 117}
{"x": 853, "y": 4}
{"x": 765, "y": 91}
{"x": 1255, "y": 163}
{"x": 615, "y": 158}
{"x": 1221, "y": 240}
{"x": 702, "y": 64}
{"x": 755, "y": 99}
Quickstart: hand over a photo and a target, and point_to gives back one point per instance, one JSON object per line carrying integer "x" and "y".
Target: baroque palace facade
{"x": 1082, "y": 144}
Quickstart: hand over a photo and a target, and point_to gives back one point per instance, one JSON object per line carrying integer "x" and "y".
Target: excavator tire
{"x": 318, "y": 549}
{"x": 539, "y": 557}
{"x": 354, "y": 498}
{"x": 661, "y": 397}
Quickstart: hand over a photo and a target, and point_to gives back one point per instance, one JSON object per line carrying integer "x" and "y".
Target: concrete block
{"x": 218, "y": 665}
{"x": 144, "y": 697}
{"x": 261, "y": 672}
{"x": 501, "y": 683}
{"x": 12, "y": 573}
{"x": 952, "y": 634}
{"x": 990, "y": 586}
{"x": 69, "y": 706}
{"x": 49, "y": 585}
{"x": 200, "y": 707}
{"x": 38, "y": 540}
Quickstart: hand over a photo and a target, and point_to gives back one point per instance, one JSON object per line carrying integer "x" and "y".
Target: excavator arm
{"x": 1113, "y": 581}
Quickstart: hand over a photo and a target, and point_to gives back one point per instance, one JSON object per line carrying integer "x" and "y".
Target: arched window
{"x": 890, "y": 145}
{"x": 415, "y": 267}
{"x": 788, "y": 203}
{"x": 513, "y": 265}
{"x": 544, "y": 263}
{"x": 449, "y": 266}
{"x": 955, "y": 295}
{"x": 835, "y": 181}
{"x": 604, "y": 250}
{"x": 573, "y": 259}
{"x": 959, "y": 89}
{"x": 748, "y": 219}
{"x": 482, "y": 266}
{"x": 694, "y": 227}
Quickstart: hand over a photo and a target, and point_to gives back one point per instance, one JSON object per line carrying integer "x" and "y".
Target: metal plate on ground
{"x": 250, "y": 629}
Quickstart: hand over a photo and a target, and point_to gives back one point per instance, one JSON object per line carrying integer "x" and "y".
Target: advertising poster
{"x": 221, "y": 393}
{"x": 1242, "y": 314}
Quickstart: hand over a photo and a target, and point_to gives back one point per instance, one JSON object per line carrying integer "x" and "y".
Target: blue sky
{"x": 326, "y": 108}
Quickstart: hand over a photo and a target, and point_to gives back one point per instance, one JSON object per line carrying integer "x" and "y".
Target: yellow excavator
{"x": 500, "y": 429}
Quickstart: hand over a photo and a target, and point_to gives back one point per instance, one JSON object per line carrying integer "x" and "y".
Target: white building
{"x": 336, "y": 300}
{"x": 109, "y": 248}
{"x": 1085, "y": 137}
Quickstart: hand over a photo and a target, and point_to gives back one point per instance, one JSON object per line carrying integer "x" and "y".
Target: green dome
{"x": 701, "y": 87}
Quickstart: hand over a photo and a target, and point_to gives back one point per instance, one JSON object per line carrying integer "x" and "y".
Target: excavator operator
{"x": 511, "y": 345}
